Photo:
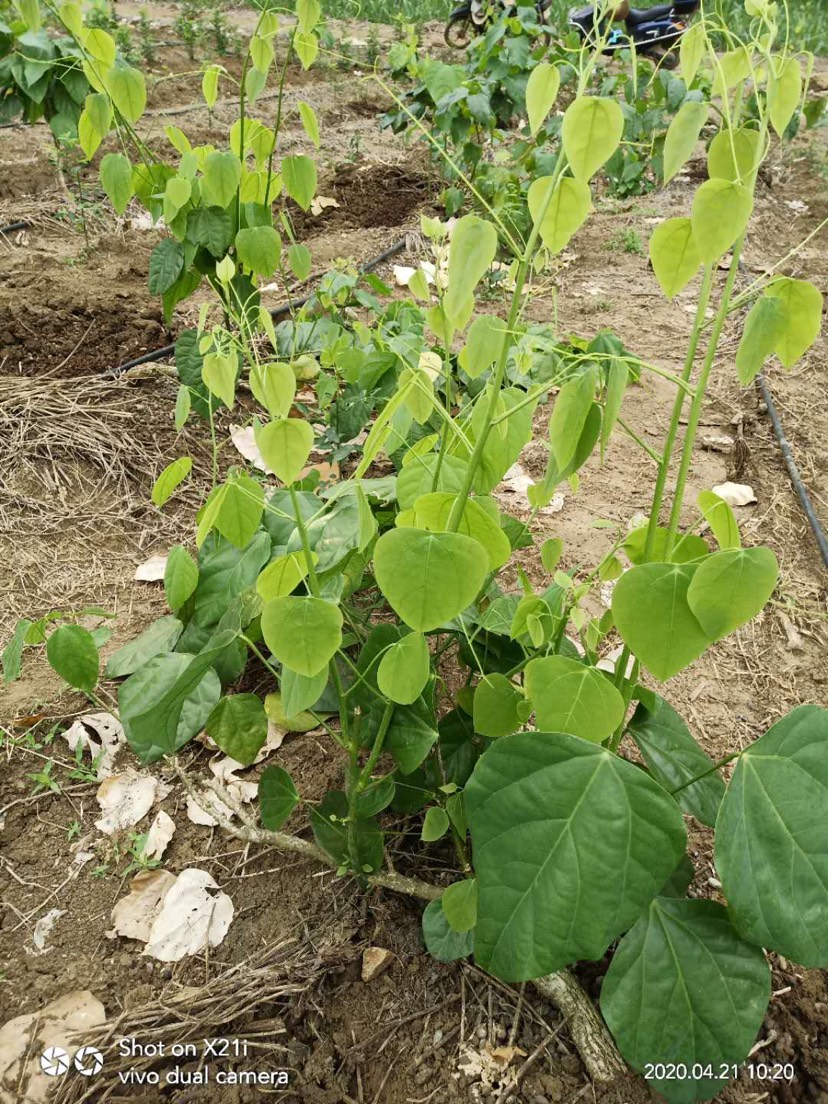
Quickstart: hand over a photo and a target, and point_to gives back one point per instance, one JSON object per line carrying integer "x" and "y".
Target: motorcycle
{"x": 653, "y": 32}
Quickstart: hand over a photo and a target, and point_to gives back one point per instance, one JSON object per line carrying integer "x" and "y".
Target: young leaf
{"x": 683, "y": 987}
{"x": 161, "y": 636}
{"x": 652, "y": 614}
{"x": 484, "y": 342}
{"x": 218, "y": 372}
{"x": 765, "y": 327}
{"x": 734, "y": 155}
{"x": 299, "y": 179}
{"x": 591, "y": 133}
{"x": 329, "y": 821}
{"x": 116, "y": 180}
{"x": 238, "y": 724}
{"x": 239, "y": 511}
{"x": 13, "y": 652}
{"x": 674, "y": 759}
{"x": 429, "y": 578}
{"x": 618, "y": 377}
{"x": 180, "y": 577}
{"x": 721, "y": 519}
{"x": 771, "y": 833}
{"x": 551, "y": 552}
{"x": 571, "y": 697}
{"x": 682, "y": 136}
{"x": 527, "y": 795}
{"x": 480, "y": 520}
{"x": 499, "y": 708}
{"x": 183, "y": 405}
{"x": 731, "y": 588}
{"x": 128, "y": 90}
{"x": 176, "y": 195}
{"x": 278, "y": 797}
{"x": 404, "y": 669}
{"x": 302, "y": 633}
{"x": 222, "y": 174}
{"x": 435, "y": 824}
{"x": 165, "y": 266}
{"x": 541, "y": 91}
{"x": 72, "y": 652}
{"x": 460, "y": 905}
{"x": 442, "y": 942}
{"x": 259, "y": 249}
{"x": 285, "y": 446}
{"x": 784, "y": 92}
{"x": 170, "y": 478}
{"x": 300, "y": 693}
{"x": 564, "y": 214}
{"x": 691, "y": 51}
{"x": 569, "y": 415}
{"x": 209, "y": 85}
{"x": 283, "y": 575}
{"x": 675, "y": 255}
{"x": 472, "y": 250}
{"x": 721, "y": 212}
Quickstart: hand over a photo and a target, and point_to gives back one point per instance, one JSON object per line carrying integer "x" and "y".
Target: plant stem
{"x": 376, "y": 750}
{"x": 712, "y": 770}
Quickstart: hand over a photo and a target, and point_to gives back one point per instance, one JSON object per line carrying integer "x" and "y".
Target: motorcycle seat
{"x": 645, "y": 15}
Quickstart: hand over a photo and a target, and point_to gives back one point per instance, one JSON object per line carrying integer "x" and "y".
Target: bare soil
{"x": 78, "y": 455}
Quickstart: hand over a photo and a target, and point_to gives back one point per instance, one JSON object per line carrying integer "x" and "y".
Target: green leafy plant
{"x": 357, "y": 598}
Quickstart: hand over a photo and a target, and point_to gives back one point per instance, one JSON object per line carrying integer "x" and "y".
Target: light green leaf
{"x": 480, "y": 519}
{"x": 116, "y": 180}
{"x": 484, "y": 342}
{"x": 618, "y": 376}
{"x": 306, "y": 45}
{"x": 170, "y": 478}
{"x": 12, "y": 655}
{"x": 720, "y": 517}
{"x": 302, "y": 633}
{"x": 299, "y": 259}
{"x": 404, "y": 670}
{"x": 310, "y": 123}
{"x": 219, "y": 371}
{"x": 283, "y": 575}
{"x": 691, "y": 51}
{"x": 428, "y": 578}
{"x": 128, "y": 90}
{"x": 721, "y": 212}
{"x": 569, "y": 415}
{"x": 685, "y": 548}
{"x": 570, "y": 697}
{"x": 209, "y": 85}
{"x": 278, "y": 797}
{"x": 652, "y": 614}
{"x": 734, "y": 155}
{"x": 674, "y": 255}
{"x": 684, "y": 988}
{"x": 730, "y": 68}
{"x": 435, "y": 824}
{"x": 300, "y": 693}
{"x": 770, "y": 839}
{"x": 180, "y": 577}
{"x": 274, "y": 386}
{"x": 765, "y": 328}
{"x": 183, "y": 406}
{"x": 302, "y": 721}
{"x": 442, "y": 942}
{"x": 222, "y": 174}
{"x": 234, "y": 509}
{"x": 674, "y": 759}
{"x": 299, "y": 179}
{"x": 285, "y": 446}
{"x": 259, "y": 249}
{"x": 308, "y": 13}
{"x": 471, "y": 253}
{"x": 541, "y": 92}
{"x": 564, "y": 214}
{"x": 730, "y": 588}
{"x": 784, "y": 92}
{"x": 176, "y": 195}
{"x": 682, "y": 136}
{"x": 591, "y": 133}
{"x": 804, "y": 303}
{"x": 499, "y": 707}
{"x": 72, "y": 652}
{"x": 548, "y": 798}
{"x": 261, "y": 52}
{"x": 238, "y": 724}
{"x": 551, "y": 552}
{"x": 460, "y": 905}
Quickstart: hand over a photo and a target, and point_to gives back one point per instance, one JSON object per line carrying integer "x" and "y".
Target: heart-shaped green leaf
{"x": 563, "y": 213}
{"x": 404, "y": 669}
{"x": 302, "y": 633}
{"x": 238, "y": 724}
{"x": 591, "y": 133}
{"x": 285, "y": 445}
{"x": 278, "y": 797}
{"x": 730, "y": 588}
{"x": 674, "y": 254}
{"x": 570, "y": 697}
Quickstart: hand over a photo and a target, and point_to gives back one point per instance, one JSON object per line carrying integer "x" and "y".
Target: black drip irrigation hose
{"x": 12, "y": 226}
{"x": 793, "y": 470}
{"x": 276, "y": 312}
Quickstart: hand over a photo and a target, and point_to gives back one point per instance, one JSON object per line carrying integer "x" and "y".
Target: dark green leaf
{"x": 238, "y": 724}
{"x": 278, "y": 797}
{"x": 72, "y": 652}
{"x": 442, "y": 942}
{"x": 161, "y": 636}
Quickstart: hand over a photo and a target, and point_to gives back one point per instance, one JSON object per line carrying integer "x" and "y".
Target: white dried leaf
{"x": 610, "y": 661}
{"x": 125, "y": 799}
{"x": 102, "y": 735}
{"x": 735, "y": 494}
{"x": 61, "y": 1023}
{"x": 43, "y": 929}
{"x": 244, "y": 442}
{"x": 195, "y": 914}
{"x": 199, "y": 806}
{"x": 322, "y": 203}
{"x": 152, "y": 570}
{"x": 134, "y": 915}
{"x": 402, "y": 274}
{"x": 517, "y": 481}
{"x": 161, "y": 831}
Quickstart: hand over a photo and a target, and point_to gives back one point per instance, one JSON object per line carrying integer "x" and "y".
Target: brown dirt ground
{"x": 74, "y": 522}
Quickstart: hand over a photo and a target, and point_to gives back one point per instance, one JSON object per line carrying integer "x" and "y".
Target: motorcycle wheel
{"x": 459, "y": 30}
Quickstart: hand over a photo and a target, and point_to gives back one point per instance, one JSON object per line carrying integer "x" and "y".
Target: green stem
{"x": 385, "y": 723}
{"x": 712, "y": 770}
